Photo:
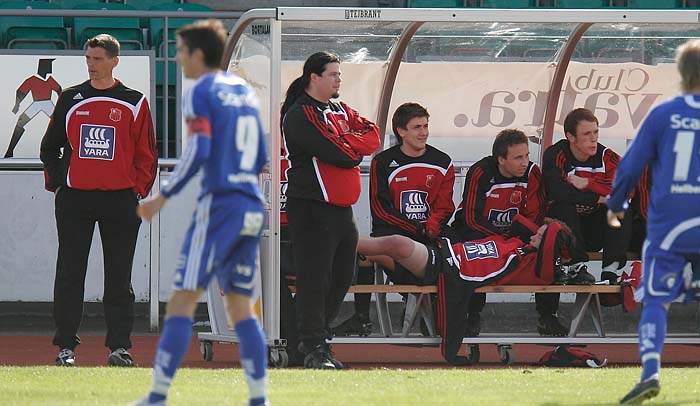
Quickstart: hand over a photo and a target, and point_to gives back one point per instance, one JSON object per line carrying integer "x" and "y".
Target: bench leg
{"x": 580, "y": 308}
{"x": 413, "y": 305}
{"x": 381, "y": 304}
{"x": 597, "y": 315}
{"x": 426, "y": 312}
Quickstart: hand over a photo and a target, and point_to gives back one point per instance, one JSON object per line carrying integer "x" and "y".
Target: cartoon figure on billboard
{"x": 40, "y": 86}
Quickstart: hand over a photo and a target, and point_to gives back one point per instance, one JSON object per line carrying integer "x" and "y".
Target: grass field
{"x": 25, "y": 386}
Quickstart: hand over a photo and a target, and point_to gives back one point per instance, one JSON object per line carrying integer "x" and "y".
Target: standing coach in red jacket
{"x": 108, "y": 162}
{"x": 325, "y": 143}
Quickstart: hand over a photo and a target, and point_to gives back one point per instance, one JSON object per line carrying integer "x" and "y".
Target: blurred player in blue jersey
{"x": 226, "y": 141}
{"x": 668, "y": 141}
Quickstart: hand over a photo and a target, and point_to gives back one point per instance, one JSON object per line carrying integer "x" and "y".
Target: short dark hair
{"x": 207, "y": 35}
{"x": 405, "y": 113}
{"x": 575, "y": 116}
{"x": 107, "y": 42}
{"x": 316, "y": 63}
{"x": 506, "y": 139}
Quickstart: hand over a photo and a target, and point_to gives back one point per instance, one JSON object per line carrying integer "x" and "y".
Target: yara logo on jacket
{"x": 414, "y": 205}
{"x": 96, "y": 142}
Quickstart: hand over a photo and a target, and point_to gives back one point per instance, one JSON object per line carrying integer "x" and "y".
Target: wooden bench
{"x": 419, "y": 303}
{"x": 598, "y": 256}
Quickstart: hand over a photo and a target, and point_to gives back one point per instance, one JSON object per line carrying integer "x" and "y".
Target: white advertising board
{"x": 471, "y": 102}
{"x": 38, "y": 77}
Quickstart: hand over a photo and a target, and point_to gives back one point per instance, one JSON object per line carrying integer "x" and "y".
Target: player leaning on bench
{"x": 411, "y": 188}
{"x": 529, "y": 256}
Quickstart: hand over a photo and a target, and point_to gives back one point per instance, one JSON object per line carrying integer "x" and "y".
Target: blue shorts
{"x": 223, "y": 239}
{"x": 663, "y": 279}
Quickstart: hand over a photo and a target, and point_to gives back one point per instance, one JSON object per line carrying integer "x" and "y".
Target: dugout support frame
{"x": 248, "y": 38}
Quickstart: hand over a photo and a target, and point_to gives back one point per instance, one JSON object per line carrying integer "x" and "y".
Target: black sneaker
{"x": 549, "y": 325}
{"x": 331, "y": 357}
{"x": 561, "y": 276}
{"x": 473, "y": 325}
{"x": 120, "y": 358}
{"x": 459, "y": 361}
{"x": 318, "y": 359}
{"x": 580, "y": 276}
{"x": 641, "y": 392}
{"x": 66, "y": 358}
{"x": 358, "y": 324}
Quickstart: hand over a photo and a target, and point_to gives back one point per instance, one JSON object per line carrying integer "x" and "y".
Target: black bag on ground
{"x": 565, "y": 356}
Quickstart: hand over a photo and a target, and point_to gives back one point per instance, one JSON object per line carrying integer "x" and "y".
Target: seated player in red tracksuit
{"x": 529, "y": 256}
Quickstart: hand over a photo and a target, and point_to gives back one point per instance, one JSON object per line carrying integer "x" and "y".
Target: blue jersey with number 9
{"x": 669, "y": 141}
{"x": 225, "y": 137}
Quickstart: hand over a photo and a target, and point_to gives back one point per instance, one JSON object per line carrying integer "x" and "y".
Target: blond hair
{"x": 688, "y": 62}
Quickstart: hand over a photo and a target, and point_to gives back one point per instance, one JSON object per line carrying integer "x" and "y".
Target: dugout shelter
{"x": 476, "y": 70}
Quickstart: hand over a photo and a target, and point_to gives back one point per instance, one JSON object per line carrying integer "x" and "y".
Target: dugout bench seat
{"x": 418, "y": 301}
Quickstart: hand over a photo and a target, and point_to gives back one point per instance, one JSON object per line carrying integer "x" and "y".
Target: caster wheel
{"x": 278, "y": 358}
{"x": 506, "y": 354}
{"x": 207, "y": 350}
{"x": 474, "y": 353}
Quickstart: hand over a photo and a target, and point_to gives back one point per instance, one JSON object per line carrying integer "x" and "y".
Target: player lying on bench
{"x": 530, "y": 255}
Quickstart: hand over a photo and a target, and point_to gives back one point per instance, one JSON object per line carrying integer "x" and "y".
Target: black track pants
{"x": 324, "y": 242}
{"x": 77, "y": 211}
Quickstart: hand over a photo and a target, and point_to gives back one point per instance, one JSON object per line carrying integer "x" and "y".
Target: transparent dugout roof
{"x": 492, "y": 41}
{"x": 357, "y": 42}
{"x": 477, "y": 78}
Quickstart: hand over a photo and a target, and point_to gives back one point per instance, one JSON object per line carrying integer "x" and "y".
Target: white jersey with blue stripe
{"x": 225, "y": 137}
{"x": 669, "y": 141}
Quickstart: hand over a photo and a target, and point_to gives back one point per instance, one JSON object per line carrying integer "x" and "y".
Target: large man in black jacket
{"x": 325, "y": 142}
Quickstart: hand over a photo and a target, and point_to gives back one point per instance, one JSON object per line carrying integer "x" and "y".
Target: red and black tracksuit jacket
{"x": 325, "y": 144}
{"x": 490, "y": 200}
{"x": 406, "y": 192}
{"x": 107, "y": 139}
{"x": 496, "y": 260}
{"x": 559, "y": 162}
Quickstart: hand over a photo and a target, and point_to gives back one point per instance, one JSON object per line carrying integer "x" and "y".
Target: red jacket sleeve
{"x": 535, "y": 204}
{"x": 381, "y": 204}
{"x": 557, "y": 187}
{"x": 444, "y": 206}
{"x": 474, "y": 200}
{"x": 602, "y": 185}
{"x": 363, "y": 136}
{"x": 145, "y": 152}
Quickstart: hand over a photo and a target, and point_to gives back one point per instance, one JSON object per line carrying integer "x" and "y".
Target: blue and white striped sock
{"x": 172, "y": 346}
{"x": 253, "y": 359}
{"x": 652, "y": 334}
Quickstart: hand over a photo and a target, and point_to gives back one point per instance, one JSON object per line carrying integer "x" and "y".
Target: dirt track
{"x": 38, "y": 350}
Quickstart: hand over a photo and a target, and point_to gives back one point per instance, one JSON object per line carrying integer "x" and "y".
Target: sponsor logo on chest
{"x": 97, "y": 142}
{"x": 502, "y": 218}
{"x": 478, "y": 250}
{"x": 414, "y": 205}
